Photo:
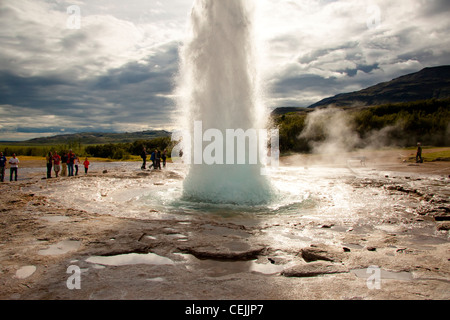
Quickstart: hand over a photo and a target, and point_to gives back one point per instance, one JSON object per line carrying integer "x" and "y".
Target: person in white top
{"x": 14, "y": 165}
{"x": 77, "y": 163}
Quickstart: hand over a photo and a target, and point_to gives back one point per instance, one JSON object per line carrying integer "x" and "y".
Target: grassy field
{"x": 441, "y": 155}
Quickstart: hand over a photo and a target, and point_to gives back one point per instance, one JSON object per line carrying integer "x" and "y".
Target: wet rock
{"x": 443, "y": 226}
{"x": 322, "y": 252}
{"x": 313, "y": 270}
{"x": 442, "y": 214}
{"x": 223, "y": 253}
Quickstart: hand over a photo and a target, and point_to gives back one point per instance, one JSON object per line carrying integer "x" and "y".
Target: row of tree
{"x": 115, "y": 151}
{"x": 124, "y": 151}
{"x": 42, "y": 150}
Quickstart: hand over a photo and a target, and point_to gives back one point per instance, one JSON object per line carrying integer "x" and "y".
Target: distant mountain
{"x": 284, "y": 110}
{"x": 426, "y": 84}
{"x": 98, "y": 137}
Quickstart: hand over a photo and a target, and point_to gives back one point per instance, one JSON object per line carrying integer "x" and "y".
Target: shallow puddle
{"x": 61, "y": 247}
{"x": 217, "y": 268}
{"x": 130, "y": 259}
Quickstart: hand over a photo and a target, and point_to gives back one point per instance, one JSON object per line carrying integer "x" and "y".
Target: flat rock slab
{"x": 223, "y": 253}
{"x": 313, "y": 269}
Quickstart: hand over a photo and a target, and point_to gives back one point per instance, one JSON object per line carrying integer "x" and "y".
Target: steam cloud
{"x": 331, "y": 131}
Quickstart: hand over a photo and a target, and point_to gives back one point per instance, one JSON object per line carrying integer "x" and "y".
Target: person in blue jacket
{"x": 2, "y": 166}
{"x": 153, "y": 158}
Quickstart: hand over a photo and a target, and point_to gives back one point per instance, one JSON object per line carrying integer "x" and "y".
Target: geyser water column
{"x": 219, "y": 90}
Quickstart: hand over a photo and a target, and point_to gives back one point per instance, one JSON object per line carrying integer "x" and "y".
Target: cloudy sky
{"x": 115, "y": 70}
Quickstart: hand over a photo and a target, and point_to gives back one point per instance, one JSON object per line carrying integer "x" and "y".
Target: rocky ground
{"x": 211, "y": 257}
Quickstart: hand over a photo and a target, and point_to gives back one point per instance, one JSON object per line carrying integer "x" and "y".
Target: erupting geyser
{"x": 220, "y": 96}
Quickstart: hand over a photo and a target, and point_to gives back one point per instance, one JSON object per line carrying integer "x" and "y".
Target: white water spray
{"x": 219, "y": 88}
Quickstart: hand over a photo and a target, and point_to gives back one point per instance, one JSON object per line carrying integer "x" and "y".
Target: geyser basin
{"x": 318, "y": 193}
{"x": 235, "y": 184}
{"x": 219, "y": 89}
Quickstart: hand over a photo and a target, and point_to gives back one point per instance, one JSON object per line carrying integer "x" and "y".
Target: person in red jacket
{"x": 86, "y": 165}
{"x": 56, "y": 163}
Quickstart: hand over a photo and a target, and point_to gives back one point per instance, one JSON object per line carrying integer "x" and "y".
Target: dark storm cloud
{"x": 351, "y": 72}
{"x": 433, "y": 7}
{"x": 141, "y": 88}
{"x": 133, "y": 93}
{"x": 307, "y": 82}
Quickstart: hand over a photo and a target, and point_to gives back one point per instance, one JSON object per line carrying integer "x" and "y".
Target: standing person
{"x": 77, "y": 162}
{"x": 164, "y": 157}
{"x": 144, "y": 158}
{"x": 153, "y": 157}
{"x": 49, "y": 165}
{"x": 158, "y": 159}
{"x": 14, "y": 165}
{"x": 70, "y": 162}
{"x": 86, "y": 165}
{"x": 2, "y": 166}
{"x": 64, "y": 159}
{"x": 56, "y": 163}
{"x": 419, "y": 158}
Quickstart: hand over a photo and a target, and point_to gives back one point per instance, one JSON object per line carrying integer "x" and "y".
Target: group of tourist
{"x": 13, "y": 166}
{"x": 156, "y": 157}
{"x": 67, "y": 164}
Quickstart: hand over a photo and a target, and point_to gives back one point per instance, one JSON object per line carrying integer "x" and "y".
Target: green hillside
{"x": 92, "y": 138}
{"x": 394, "y": 124}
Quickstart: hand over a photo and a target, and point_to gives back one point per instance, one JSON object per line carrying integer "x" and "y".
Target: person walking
{"x": 153, "y": 158}
{"x": 86, "y": 164}
{"x": 64, "y": 159}
{"x": 158, "y": 159}
{"x": 164, "y": 157}
{"x": 70, "y": 162}
{"x": 14, "y": 165}
{"x": 76, "y": 163}
{"x": 419, "y": 158}
{"x": 144, "y": 158}
{"x": 49, "y": 159}
{"x": 56, "y": 163}
{"x": 2, "y": 166}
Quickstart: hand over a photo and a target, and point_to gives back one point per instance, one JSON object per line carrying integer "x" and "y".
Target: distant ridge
{"x": 98, "y": 137}
{"x": 429, "y": 83}
{"x": 284, "y": 110}
{"x": 426, "y": 84}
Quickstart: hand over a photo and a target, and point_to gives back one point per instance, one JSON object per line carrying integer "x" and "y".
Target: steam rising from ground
{"x": 331, "y": 132}
{"x": 333, "y": 128}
